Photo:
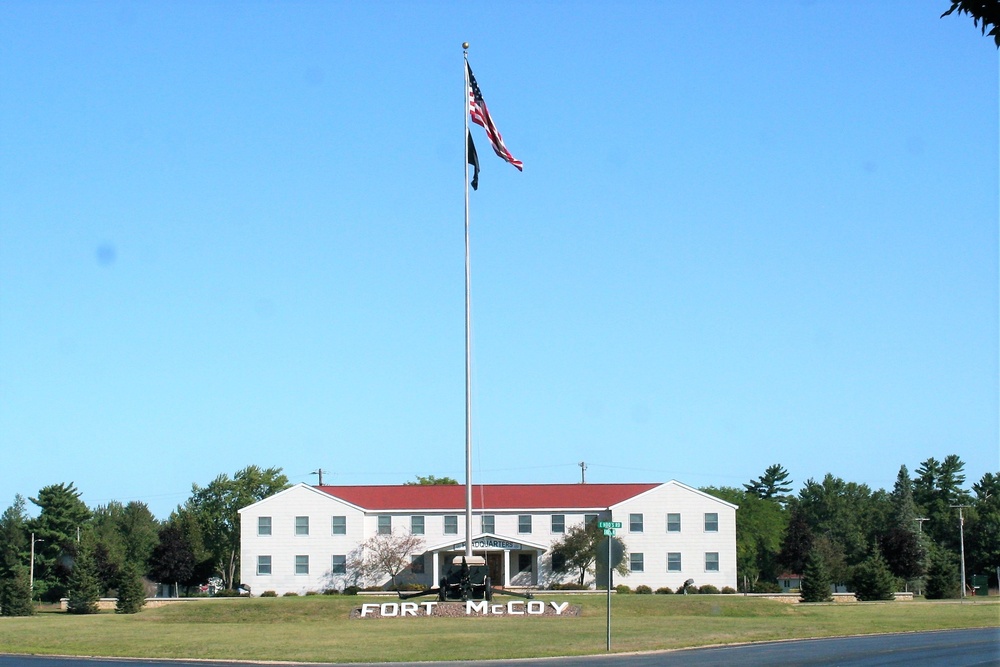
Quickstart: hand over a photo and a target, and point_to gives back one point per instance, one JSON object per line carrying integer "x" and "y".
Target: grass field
{"x": 318, "y": 628}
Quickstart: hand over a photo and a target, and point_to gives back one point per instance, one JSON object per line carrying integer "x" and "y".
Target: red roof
{"x": 488, "y": 496}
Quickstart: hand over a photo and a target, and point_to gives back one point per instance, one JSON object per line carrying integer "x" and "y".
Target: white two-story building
{"x": 301, "y": 539}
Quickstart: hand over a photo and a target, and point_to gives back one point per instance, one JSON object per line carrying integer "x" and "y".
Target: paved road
{"x": 949, "y": 648}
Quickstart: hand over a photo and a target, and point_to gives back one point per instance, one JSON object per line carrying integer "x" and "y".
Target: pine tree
{"x": 816, "y": 580}
{"x": 942, "y": 576}
{"x": 873, "y": 580}
{"x": 131, "y": 591}
{"x": 15, "y": 594}
{"x": 83, "y": 587}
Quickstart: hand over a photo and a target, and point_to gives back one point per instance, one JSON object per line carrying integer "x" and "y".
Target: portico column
{"x": 506, "y": 568}
{"x": 435, "y": 570}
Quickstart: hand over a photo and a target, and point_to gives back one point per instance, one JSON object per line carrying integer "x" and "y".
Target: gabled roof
{"x": 488, "y": 496}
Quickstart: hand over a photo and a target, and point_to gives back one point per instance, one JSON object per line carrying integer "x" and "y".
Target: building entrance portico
{"x": 511, "y": 562}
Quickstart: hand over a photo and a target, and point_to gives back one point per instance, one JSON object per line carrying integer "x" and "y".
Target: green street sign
{"x": 609, "y": 531}
{"x": 609, "y": 524}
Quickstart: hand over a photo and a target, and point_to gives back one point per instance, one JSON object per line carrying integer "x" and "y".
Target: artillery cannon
{"x": 467, "y": 578}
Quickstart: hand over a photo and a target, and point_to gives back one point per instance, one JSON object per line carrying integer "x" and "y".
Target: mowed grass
{"x": 318, "y": 628}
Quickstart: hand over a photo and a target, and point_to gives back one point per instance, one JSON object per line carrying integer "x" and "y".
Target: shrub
{"x": 312, "y": 593}
{"x": 816, "y": 579}
{"x": 410, "y": 587}
{"x": 351, "y": 590}
{"x": 766, "y": 587}
{"x": 291, "y": 594}
{"x": 942, "y": 577}
{"x": 872, "y": 579}
{"x": 728, "y": 590}
{"x": 643, "y": 589}
{"x": 269, "y": 594}
{"x": 331, "y": 591}
{"x": 227, "y": 593}
{"x": 665, "y": 590}
{"x": 569, "y": 586}
{"x": 622, "y": 589}
{"x": 708, "y": 589}
{"x": 688, "y": 590}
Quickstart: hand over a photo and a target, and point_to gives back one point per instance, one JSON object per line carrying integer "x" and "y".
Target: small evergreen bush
{"x": 728, "y": 590}
{"x": 15, "y": 594}
{"x": 351, "y": 590}
{"x": 664, "y": 590}
{"x": 83, "y": 587}
{"x": 312, "y": 593}
{"x": 331, "y": 591}
{"x": 643, "y": 589}
{"x": 131, "y": 591}
{"x": 708, "y": 589}
{"x": 291, "y": 594}
{"x": 872, "y": 579}
{"x": 622, "y": 589}
{"x": 269, "y": 594}
{"x": 569, "y": 586}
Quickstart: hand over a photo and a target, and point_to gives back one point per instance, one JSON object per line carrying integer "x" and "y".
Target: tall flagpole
{"x": 468, "y": 317}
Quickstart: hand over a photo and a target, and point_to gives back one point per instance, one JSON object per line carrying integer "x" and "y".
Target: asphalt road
{"x": 948, "y": 648}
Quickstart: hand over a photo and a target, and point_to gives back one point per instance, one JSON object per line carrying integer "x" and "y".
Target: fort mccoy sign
{"x": 468, "y": 608}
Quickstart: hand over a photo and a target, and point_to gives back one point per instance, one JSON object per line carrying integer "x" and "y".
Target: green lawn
{"x": 318, "y": 629}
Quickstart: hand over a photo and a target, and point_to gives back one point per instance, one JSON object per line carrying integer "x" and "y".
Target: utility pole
{"x": 318, "y": 471}
{"x": 961, "y": 541}
{"x": 583, "y": 472}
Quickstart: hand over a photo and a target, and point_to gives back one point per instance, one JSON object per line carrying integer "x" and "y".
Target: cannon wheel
{"x": 488, "y": 594}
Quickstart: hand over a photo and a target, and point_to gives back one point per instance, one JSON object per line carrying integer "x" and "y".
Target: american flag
{"x": 481, "y": 116}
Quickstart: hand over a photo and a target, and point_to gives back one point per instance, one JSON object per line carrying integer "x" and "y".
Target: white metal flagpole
{"x": 468, "y": 317}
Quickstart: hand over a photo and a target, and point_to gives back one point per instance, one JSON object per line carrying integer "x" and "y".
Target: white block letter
{"x": 510, "y": 608}
{"x": 408, "y": 608}
{"x": 536, "y": 607}
{"x": 390, "y": 609}
{"x": 367, "y": 608}
{"x": 472, "y": 606}
{"x": 560, "y": 608}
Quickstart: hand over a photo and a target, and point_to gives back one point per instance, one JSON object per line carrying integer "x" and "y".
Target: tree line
{"x": 844, "y": 534}
{"x": 832, "y": 532}
{"x": 83, "y": 553}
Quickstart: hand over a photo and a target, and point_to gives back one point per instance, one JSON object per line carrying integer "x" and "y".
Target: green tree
{"x": 760, "y": 527}
{"x": 942, "y": 575}
{"x": 15, "y": 593}
{"x": 772, "y": 485}
{"x": 61, "y": 517}
{"x": 577, "y": 551}
{"x": 83, "y": 587}
{"x": 872, "y": 579}
{"x": 816, "y": 580}
{"x": 131, "y": 590}
{"x": 846, "y": 513}
{"x": 217, "y": 507}
{"x": 797, "y": 542}
{"x": 15, "y": 539}
{"x": 986, "y": 12}
{"x": 901, "y": 542}
{"x": 982, "y": 530}
{"x": 431, "y": 480}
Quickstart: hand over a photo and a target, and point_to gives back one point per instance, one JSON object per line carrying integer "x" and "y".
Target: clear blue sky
{"x": 745, "y": 234}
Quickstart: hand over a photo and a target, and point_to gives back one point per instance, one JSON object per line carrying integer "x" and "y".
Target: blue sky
{"x": 745, "y": 234}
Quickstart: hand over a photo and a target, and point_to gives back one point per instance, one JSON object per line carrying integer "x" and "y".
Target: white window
{"x": 524, "y": 523}
{"x": 489, "y": 523}
{"x": 635, "y": 523}
{"x": 302, "y": 565}
{"x": 338, "y": 525}
{"x": 384, "y": 524}
{"x": 338, "y": 565}
{"x": 635, "y": 562}
{"x": 712, "y": 561}
{"x": 673, "y": 523}
{"x": 263, "y": 565}
{"x": 417, "y": 524}
{"x": 451, "y": 524}
{"x": 301, "y": 525}
{"x": 263, "y": 525}
{"x": 558, "y": 523}
{"x": 674, "y": 561}
{"x": 711, "y": 522}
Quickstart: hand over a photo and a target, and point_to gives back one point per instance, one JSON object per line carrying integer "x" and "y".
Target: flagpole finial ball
{"x": 465, "y": 45}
